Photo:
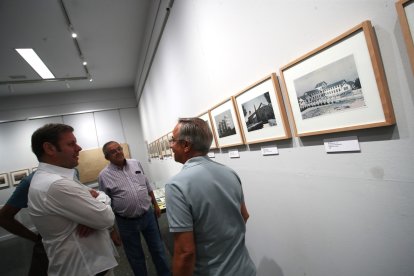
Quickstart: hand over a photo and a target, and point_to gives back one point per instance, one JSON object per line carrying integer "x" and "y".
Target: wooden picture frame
{"x": 206, "y": 117}
{"x": 4, "y": 181}
{"x": 17, "y": 176}
{"x": 405, "y": 11}
{"x": 261, "y": 111}
{"x": 339, "y": 86}
{"x": 225, "y": 124}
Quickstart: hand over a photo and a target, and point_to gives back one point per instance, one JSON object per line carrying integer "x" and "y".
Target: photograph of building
{"x": 333, "y": 88}
{"x": 258, "y": 112}
{"x": 225, "y": 124}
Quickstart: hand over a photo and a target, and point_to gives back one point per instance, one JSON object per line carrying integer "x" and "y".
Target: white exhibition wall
{"x": 312, "y": 213}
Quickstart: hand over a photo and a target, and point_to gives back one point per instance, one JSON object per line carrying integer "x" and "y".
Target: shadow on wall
{"x": 269, "y": 267}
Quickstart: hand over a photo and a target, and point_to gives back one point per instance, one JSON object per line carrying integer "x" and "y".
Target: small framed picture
{"x": 226, "y": 124}
{"x": 261, "y": 111}
{"x": 17, "y": 176}
{"x": 166, "y": 145}
{"x": 206, "y": 117}
{"x": 339, "y": 86}
{"x": 4, "y": 180}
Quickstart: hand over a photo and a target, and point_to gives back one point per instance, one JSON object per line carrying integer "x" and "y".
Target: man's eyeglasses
{"x": 112, "y": 152}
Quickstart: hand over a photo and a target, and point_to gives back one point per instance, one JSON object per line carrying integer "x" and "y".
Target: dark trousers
{"x": 40, "y": 262}
{"x": 130, "y": 231}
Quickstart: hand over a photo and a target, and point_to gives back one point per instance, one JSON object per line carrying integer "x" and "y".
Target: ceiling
{"x": 111, "y": 35}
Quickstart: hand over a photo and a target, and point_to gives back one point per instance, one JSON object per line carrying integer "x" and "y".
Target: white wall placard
{"x": 234, "y": 154}
{"x": 211, "y": 154}
{"x": 341, "y": 144}
{"x": 270, "y": 150}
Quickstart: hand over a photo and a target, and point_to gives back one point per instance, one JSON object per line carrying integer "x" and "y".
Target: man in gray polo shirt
{"x": 205, "y": 208}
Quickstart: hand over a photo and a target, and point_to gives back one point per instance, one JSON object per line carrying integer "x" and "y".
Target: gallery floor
{"x": 16, "y": 253}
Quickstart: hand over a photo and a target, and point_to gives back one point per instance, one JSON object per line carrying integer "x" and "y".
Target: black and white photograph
{"x": 258, "y": 113}
{"x": 17, "y": 176}
{"x": 333, "y": 88}
{"x": 4, "y": 180}
{"x": 225, "y": 124}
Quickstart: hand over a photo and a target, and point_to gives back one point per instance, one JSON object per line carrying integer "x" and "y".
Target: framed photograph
{"x": 159, "y": 146}
{"x": 405, "y": 11}
{"x": 152, "y": 150}
{"x": 169, "y": 138}
{"x": 4, "y": 180}
{"x": 166, "y": 145}
{"x": 206, "y": 117}
{"x": 17, "y": 176}
{"x": 261, "y": 111}
{"x": 339, "y": 86}
{"x": 226, "y": 124}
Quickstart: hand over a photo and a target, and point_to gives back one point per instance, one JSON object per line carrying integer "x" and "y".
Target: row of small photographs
{"x": 15, "y": 177}
{"x": 160, "y": 148}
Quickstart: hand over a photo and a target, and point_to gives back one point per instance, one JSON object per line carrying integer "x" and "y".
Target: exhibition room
{"x": 310, "y": 103}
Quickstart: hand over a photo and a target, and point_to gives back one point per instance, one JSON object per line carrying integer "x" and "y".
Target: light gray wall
{"x": 312, "y": 213}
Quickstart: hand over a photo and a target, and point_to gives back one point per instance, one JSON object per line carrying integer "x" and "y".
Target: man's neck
{"x": 120, "y": 165}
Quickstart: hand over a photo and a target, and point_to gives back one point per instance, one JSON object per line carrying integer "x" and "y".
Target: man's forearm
{"x": 183, "y": 264}
{"x": 15, "y": 227}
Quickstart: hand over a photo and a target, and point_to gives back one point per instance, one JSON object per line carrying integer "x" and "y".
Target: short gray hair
{"x": 197, "y": 132}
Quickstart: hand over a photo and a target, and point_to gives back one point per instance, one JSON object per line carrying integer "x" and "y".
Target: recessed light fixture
{"x": 84, "y": 63}
{"x": 74, "y": 35}
{"x": 35, "y": 62}
{"x": 90, "y": 79}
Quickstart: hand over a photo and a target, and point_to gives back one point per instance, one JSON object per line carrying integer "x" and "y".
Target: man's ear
{"x": 49, "y": 148}
{"x": 187, "y": 146}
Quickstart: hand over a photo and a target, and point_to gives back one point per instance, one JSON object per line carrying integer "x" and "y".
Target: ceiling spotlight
{"x": 84, "y": 63}
{"x": 90, "y": 79}
{"x": 74, "y": 35}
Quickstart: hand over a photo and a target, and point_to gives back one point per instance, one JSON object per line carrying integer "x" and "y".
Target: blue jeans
{"x": 130, "y": 230}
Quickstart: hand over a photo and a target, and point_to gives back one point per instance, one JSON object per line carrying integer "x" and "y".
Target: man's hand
{"x": 94, "y": 193}
{"x": 157, "y": 210}
{"x": 116, "y": 238}
{"x": 84, "y": 231}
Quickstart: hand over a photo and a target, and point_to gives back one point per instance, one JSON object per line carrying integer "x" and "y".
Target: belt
{"x": 133, "y": 218}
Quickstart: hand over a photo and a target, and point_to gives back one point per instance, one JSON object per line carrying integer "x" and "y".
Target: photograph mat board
{"x": 353, "y": 45}
{"x": 230, "y": 140}
{"x": 265, "y": 133}
{"x": 4, "y": 180}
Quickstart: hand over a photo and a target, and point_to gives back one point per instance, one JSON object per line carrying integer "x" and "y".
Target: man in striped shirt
{"x": 123, "y": 180}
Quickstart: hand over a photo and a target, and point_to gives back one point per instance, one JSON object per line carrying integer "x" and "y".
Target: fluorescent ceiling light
{"x": 37, "y": 64}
